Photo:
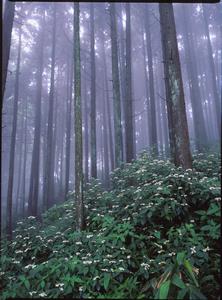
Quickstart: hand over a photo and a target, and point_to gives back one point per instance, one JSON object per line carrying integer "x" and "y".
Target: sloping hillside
{"x": 156, "y": 234}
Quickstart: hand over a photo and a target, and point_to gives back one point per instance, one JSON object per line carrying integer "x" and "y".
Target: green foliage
{"x": 156, "y": 234}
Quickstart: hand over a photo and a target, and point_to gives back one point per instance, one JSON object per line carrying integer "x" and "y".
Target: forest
{"x": 110, "y": 157}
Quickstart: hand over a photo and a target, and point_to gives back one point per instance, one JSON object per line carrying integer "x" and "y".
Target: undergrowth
{"x": 156, "y": 234}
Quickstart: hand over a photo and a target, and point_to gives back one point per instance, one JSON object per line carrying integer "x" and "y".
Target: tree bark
{"x": 128, "y": 100}
{"x": 7, "y": 32}
{"x": 116, "y": 90}
{"x": 153, "y": 123}
{"x": 34, "y": 176}
{"x": 80, "y": 223}
{"x": 216, "y": 99}
{"x": 174, "y": 87}
{"x": 13, "y": 140}
{"x": 93, "y": 96}
{"x": 198, "y": 117}
{"x": 49, "y": 163}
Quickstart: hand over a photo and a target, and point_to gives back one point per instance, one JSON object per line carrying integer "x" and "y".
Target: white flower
{"x": 59, "y": 284}
{"x": 89, "y": 236}
{"x": 80, "y": 288}
{"x": 121, "y": 269}
{"x": 128, "y": 256}
{"x": 43, "y": 294}
{"x": 78, "y": 243}
{"x": 206, "y": 249}
{"x": 32, "y": 293}
{"x": 87, "y": 262}
{"x": 193, "y": 250}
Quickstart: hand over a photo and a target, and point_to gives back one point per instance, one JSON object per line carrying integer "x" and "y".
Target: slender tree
{"x": 7, "y": 32}
{"x": 13, "y": 140}
{"x": 34, "y": 176}
{"x": 48, "y": 195}
{"x": 116, "y": 89}
{"x": 216, "y": 99}
{"x": 93, "y": 96}
{"x": 195, "y": 96}
{"x": 68, "y": 125}
{"x": 128, "y": 100}
{"x": 174, "y": 88}
{"x": 153, "y": 123}
{"x": 80, "y": 223}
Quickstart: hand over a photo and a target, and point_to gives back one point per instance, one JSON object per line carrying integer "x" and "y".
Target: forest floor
{"x": 156, "y": 234}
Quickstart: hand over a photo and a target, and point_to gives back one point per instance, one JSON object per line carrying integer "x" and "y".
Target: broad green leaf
{"x": 42, "y": 284}
{"x": 176, "y": 280}
{"x": 106, "y": 280}
{"x": 181, "y": 294}
{"x": 27, "y": 284}
{"x": 164, "y": 289}
{"x": 188, "y": 266}
{"x": 180, "y": 258}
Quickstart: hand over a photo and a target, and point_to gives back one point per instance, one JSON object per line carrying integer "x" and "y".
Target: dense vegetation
{"x": 156, "y": 234}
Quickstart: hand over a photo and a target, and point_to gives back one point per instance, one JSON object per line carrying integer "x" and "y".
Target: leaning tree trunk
{"x": 6, "y": 37}
{"x": 116, "y": 89}
{"x": 13, "y": 140}
{"x": 174, "y": 87}
{"x": 93, "y": 97}
{"x": 80, "y": 223}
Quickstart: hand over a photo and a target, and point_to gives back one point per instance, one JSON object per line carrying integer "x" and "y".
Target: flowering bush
{"x": 156, "y": 234}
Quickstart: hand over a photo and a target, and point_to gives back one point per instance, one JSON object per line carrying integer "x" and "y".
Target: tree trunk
{"x": 116, "y": 90}
{"x": 7, "y": 32}
{"x": 212, "y": 72}
{"x": 24, "y": 163}
{"x": 86, "y": 132}
{"x": 34, "y": 176}
{"x": 80, "y": 223}
{"x": 49, "y": 162}
{"x": 153, "y": 129}
{"x": 68, "y": 127}
{"x": 13, "y": 140}
{"x": 128, "y": 100}
{"x": 107, "y": 103}
{"x": 93, "y": 96}
{"x": 198, "y": 117}
{"x": 174, "y": 87}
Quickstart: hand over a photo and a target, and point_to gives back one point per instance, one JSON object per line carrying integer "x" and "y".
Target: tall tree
{"x": 153, "y": 125}
{"x": 116, "y": 89}
{"x": 48, "y": 193}
{"x": 216, "y": 98}
{"x": 34, "y": 176}
{"x": 174, "y": 88}
{"x": 68, "y": 124}
{"x": 7, "y": 31}
{"x": 80, "y": 223}
{"x": 93, "y": 96}
{"x": 13, "y": 140}
{"x": 128, "y": 100}
{"x": 195, "y": 96}
{"x": 102, "y": 37}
